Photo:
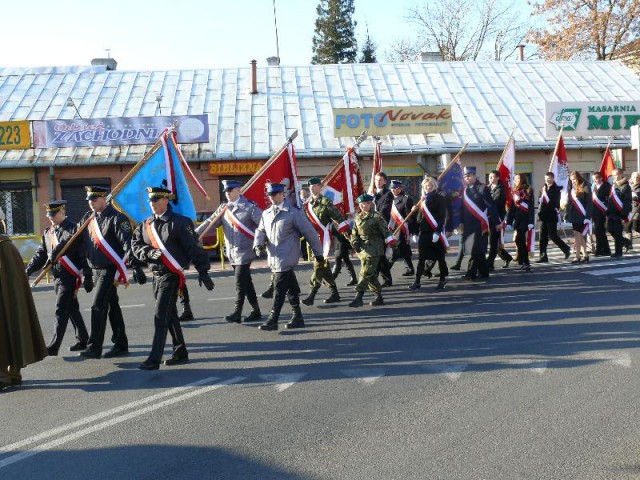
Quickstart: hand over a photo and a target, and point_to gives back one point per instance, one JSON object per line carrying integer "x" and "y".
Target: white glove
{"x": 388, "y": 253}
{"x": 586, "y": 221}
{"x": 530, "y": 226}
{"x": 435, "y": 237}
{"x": 414, "y": 238}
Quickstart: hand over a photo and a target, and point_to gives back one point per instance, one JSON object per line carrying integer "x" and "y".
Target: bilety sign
{"x": 93, "y": 132}
{"x": 590, "y": 119}
{"x": 350, "y": 122}
{"x": 15, "y": 135}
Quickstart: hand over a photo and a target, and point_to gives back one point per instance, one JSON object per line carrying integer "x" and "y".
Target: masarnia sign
{"x": 94, "y": 132}
{"x": 591, "y": 118}
{"x": 350, "y": 122}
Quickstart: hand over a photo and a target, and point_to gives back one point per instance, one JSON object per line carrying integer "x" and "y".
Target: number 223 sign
{"x": 15, "y": 135}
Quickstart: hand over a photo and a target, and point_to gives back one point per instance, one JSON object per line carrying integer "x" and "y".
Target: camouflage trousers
{"x": 368, "y": 277}
{"x": 321, "y": 272}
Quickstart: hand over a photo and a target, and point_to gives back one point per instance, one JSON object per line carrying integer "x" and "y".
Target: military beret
{"x": 315, "y": 181}
{"x": 365, "y": 197}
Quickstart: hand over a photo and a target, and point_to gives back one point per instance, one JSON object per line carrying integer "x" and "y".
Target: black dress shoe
{"x": 544, "y": 259}
{"x": 567, "y": 254}
{"x": 78, "y": 347}
{"x": 4, "y": 386}
{"x": 506, "y": 263}
{"x": 468, "y": 277}
{"x": 269, "y": 327}
{"x": 408, "y": 273}
{"x": 457, "y": 266}
{"x": 254, "y": 316}
{"x": 178, "y": 359}
{"x": 117, "y": 351}
{"x": 52, "y": 352}
{"x": 235, "y": 317}
{"x": 295, "y": 324}
{"x": 148, "y": 365}
{"x": 414, "y": 286}
{"x": 90, "y": 353}
{"x": 441, "y": 284}
{"x": 16, "y": 382}
{"x": 387, "y": 283}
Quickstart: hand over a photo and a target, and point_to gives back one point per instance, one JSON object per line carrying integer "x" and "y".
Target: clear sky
{"x": 161, "y": 34}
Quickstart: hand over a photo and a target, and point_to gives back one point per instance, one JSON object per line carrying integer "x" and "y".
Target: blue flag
{"x": 451, "y": 183}
{"x": 162, "y": 169}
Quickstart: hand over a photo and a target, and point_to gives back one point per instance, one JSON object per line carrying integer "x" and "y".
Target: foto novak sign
{"x": 93, "y": 132}
{"x": 590, "y": 119}
{"x": 350, "y": 122}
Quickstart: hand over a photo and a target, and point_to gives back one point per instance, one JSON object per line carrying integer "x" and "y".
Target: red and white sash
{"x": 110, "y": 253}
{"x": 597, "y": 202}
{"x": 241, "y": 227}
{"x": 480, "y": 215}
{"x": 169, "y": 261}
{"x": 396, "y": 220}
{"x": 521, "y": 204}
{"x": 433, "y": 223}
{"x": 531, "y": 239}
{"x": 65, "y": 261}
{"x": 323, "y": 230}
{"x": 618, "y": 203}
{"x": 578, "y": 205}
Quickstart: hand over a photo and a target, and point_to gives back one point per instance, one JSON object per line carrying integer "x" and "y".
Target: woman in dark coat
{"x": 521, "y": 218}
{"x": 579, "y": 211}
{"x": 432, "y": 243}
{"x": 21, "y": 341}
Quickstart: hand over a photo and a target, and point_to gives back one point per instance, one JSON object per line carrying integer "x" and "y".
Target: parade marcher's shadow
{"x": 144, "y": 461}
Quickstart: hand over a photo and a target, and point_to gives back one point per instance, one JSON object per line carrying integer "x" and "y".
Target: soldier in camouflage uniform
{"x": 322, "y": 213}
{"x": 368, "y": 237}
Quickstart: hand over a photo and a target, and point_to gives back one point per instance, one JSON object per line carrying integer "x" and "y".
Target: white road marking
{"x": 535, "y": 366}
{"x": 614, "y": 271}
{"x": 114, "y": 421}
{"x": 220, "y": 298}
{"x": 633, "y": 279}
{"x": 364, "y": 375}
{"x": 283, "y": 380}
{"x": 451, "y": 370}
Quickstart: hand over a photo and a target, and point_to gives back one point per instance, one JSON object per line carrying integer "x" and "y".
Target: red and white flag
{"x": 507, "y": 167}
{"x": 377, "y": 167}
{"x": 344, "y": 183}
{"x": 607, "y": 165}
{"x": 560, "y": 169}
{"x": 281, "y": 169}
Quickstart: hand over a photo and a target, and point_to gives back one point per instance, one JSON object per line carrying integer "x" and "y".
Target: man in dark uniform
{"x": 322, "y": 214}
{"x": 383, "y": 201}
{"x": 548, "y": 208}
{"x": 600, "y": 196}
{"x": 479, "y": 214}
{"x": 281, "y": 227}
{"x": 107, "y": 242}
{"x": 402, "y": 205}
{"x": 619, "y": 207}
{"x": 499, "y": 197}
{"x": 67, "y": 272}
{"x": 166, "y": 240}
{"x": 239, "y": 221}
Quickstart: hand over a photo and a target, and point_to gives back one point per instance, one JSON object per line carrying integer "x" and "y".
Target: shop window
{"x": 16, "y": 201}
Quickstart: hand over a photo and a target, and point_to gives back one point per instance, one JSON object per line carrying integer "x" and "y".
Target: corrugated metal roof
{"x": 488, "y": 99}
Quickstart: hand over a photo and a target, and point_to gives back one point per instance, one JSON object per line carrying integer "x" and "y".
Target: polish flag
{"x": 507, "y": 167}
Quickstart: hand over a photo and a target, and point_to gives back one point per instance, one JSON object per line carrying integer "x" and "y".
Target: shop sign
{"x": 590, "y": 119}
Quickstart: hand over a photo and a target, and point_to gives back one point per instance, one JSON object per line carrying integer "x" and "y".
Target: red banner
{"x": 344, "y": 184}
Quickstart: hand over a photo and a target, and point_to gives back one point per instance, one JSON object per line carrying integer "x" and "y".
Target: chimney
{"x": 254, "y": 79}
{"x": 520, "y": 52}
{"x": 430, "y": 57}
{"x": 109, "y": 62}
{"x": 273, "y": 61}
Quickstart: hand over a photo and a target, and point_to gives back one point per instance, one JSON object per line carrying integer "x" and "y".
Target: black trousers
{"x": 521, "y": 246}
{"x": 105, "y": 303}
{"x": 615, "y": 228}
{"x": 343, "y": 252}
{"x": 600, "y": 231}
{"x": 184, "y": 299}
{"x": 403, "y": 250}
{"x": 244, "y": 286}
{"x": 384, "y": 268}
{"x": 67, "y": 308}
{"x": 494, "y": 242}
{"x": 549, "y": 231}
{"x": 165, "y": 317}
{"x": 286, "y": 285}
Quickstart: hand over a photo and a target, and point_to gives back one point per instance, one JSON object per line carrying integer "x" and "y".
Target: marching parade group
{"x": 380, "y": 233}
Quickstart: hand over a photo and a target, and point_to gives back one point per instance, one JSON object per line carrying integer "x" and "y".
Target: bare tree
{"x": 465, "y": 29}
{"x": 580, "y": 29}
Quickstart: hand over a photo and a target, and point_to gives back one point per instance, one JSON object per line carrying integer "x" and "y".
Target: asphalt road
{"x": 523, "y": 376}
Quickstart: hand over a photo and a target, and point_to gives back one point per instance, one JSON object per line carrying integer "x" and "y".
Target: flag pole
{"x": 338, "y": 165}
{"x": 555, "y": 150}
{"x": 212, "y": 220}
{"x": 453, "y": 160}
{"x": 505, "y": 148}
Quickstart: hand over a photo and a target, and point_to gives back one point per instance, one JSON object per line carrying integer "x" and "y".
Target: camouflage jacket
{"x": 369, "y": 233}
{"x": 325, "y": 210}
